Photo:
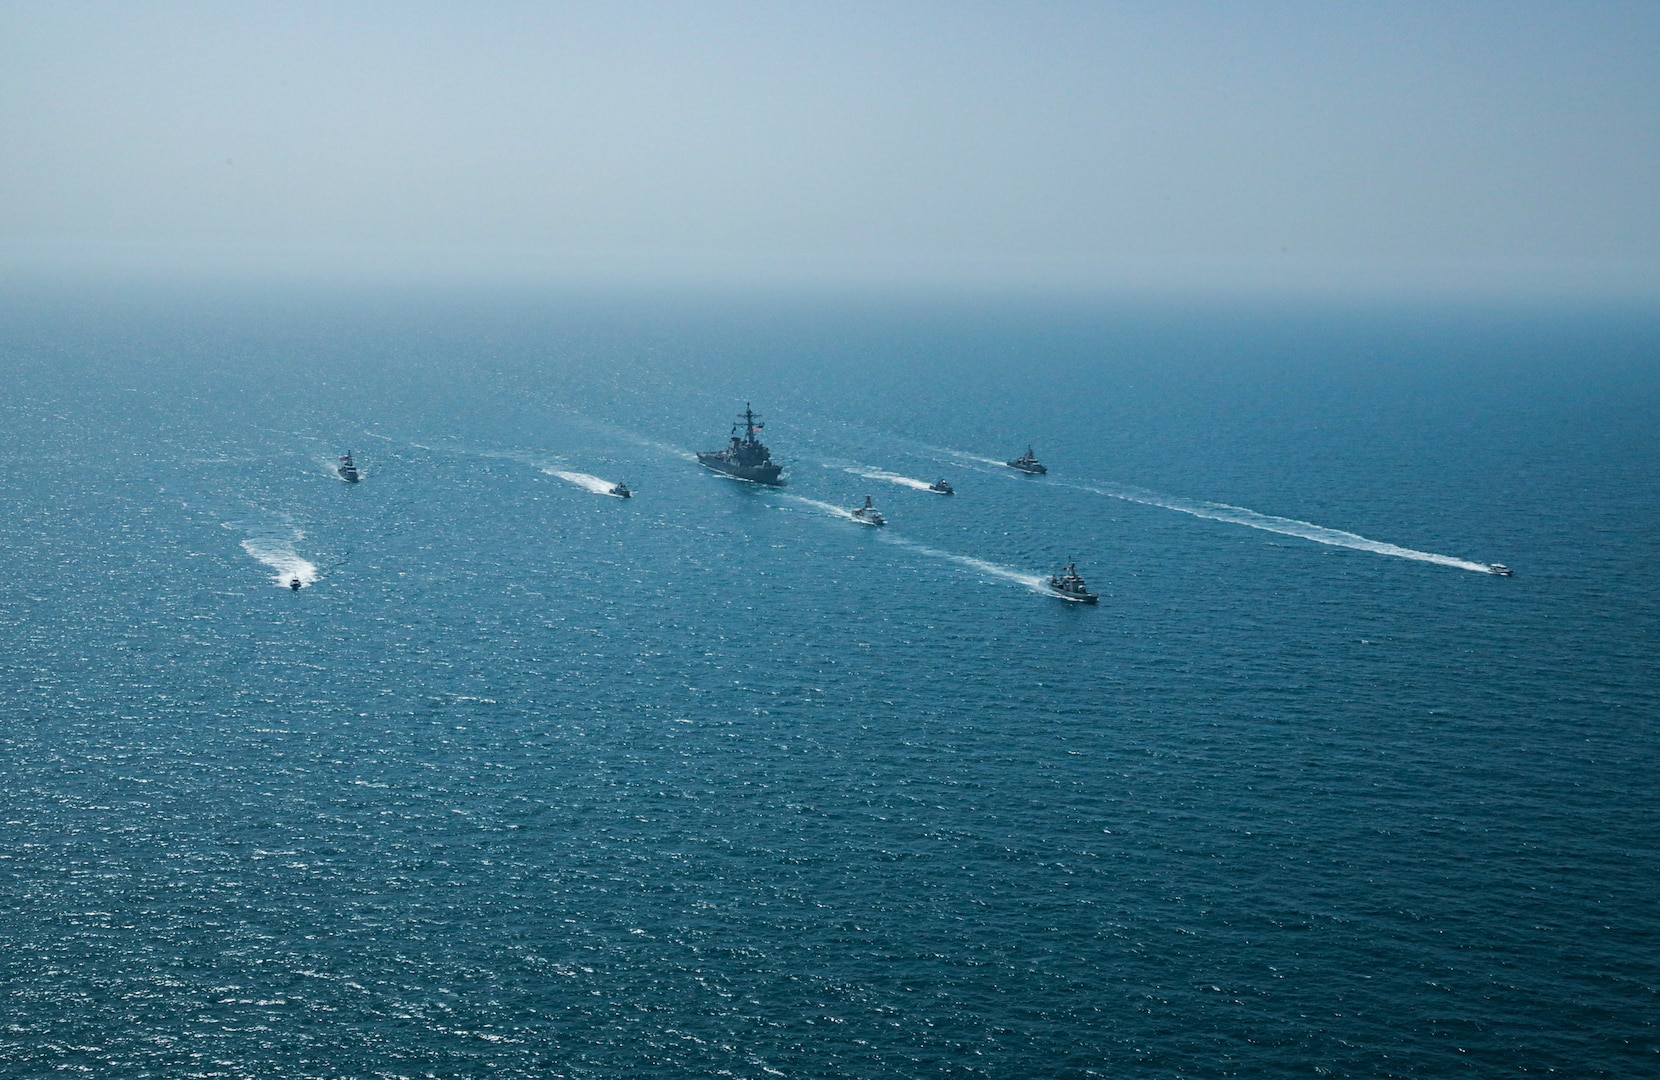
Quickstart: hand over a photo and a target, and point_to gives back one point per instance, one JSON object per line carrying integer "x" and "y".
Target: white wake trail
{"x": 280, "y": 556}
{"x": 1007, "y": 573}
{"x": 833, "y": 511}
{"x": 990, "y": 569}
{"x": 892, "y": 478}
{"x": 1306, "y": 530}
{"x": 583, "y": 480}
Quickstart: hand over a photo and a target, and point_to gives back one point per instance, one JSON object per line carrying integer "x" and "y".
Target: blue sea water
{"x": 529, "y": 781}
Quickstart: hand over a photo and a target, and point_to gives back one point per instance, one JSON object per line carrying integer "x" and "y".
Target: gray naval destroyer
{"x": 745, "y": 458}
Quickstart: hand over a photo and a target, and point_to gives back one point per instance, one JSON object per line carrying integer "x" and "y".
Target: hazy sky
{"x": 1086, "y": 145}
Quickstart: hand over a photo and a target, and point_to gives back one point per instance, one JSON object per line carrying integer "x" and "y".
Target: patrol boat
{"x": 942, "y": 487}
{"x": 868, "y": 514}
{"x": 1028, "y": 463}
{"x": 294, "y": 583}
{"x": 1069, "y": 586}
{"x": 744, "y": 458}
{"x": 620, "y": 490}
{"x": 347, "y": 468}
{"x": 1500, "y": 569}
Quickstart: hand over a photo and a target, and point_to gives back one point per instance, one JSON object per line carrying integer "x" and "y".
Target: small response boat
{"x": 1500, "y": 569}
{"x": 620, "y": 490}
{"x": 295, "y": 583}
{"x": 942, "y": 487}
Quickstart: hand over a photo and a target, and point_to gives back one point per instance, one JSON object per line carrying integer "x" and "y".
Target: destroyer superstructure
{"x": 745, "y": 457}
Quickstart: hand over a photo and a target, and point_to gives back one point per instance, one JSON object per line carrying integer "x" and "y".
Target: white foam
{"x": 963, "y": 456}
{"x": 1306, "y": 530}
{"x": 1007, "y": 573}
{"x": 280, "y": 556}
{"x": 583, "y": 480}
{"x": 833, "y": 511}
{"x": 892, "y": 478}
{"x": 990, "y": 569}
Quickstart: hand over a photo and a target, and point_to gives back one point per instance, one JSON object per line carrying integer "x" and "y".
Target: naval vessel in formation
{"x": 1069, "y": 586}
{"x": 347, "y": 468}
{"x": 868, "y": 514}
{"x": 745, "y": 458}
{"x": 1028, "y": 463}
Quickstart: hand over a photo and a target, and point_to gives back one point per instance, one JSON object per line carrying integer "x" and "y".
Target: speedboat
{"x": 1028, "y": 463}
{"x": 942, "y": 487}
{"x": 1500, "y": 569}
{"x": 1069, "y": 586}
{"x": 295, "y": 583}
{"x": 868, "y": 514}
{"x": 621, "y": 491}
{"x": 347, "y": 468}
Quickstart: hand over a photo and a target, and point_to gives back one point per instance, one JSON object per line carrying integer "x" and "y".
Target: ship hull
{"x": 1030, "y": 470}
{"x": 348, "y": 475}
{"x": 755, "y": 474}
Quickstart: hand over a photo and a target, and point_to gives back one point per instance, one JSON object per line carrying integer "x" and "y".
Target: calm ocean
{"x": 529, "y": 781}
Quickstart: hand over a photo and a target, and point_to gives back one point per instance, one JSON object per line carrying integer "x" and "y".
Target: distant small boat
{"x": 620, "y": 490}
{"x": 1500, "y": 569}
{"x": 347, "y": 470}
{"x": 942, "y": 487}
{"x": 868, "y": 514}
{"x": 1069, "y": 586}
{"x": 295, "y": 583}
{"x": 1028, "y": 463}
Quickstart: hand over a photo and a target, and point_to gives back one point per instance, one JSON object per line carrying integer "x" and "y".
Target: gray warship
{"x": 868, "y": 514}
{"x": 347, "y": 468}
{"x": 1028, "y": 463}
{"x": 1069, "y": 586}
{"x": 744, "y": 458}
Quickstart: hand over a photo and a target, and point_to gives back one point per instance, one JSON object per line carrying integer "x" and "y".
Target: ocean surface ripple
{"x": 528, "y": 783}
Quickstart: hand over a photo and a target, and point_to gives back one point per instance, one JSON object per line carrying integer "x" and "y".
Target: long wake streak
{"x": 1305, "y": 530}
{"x": 991, "y": 569}
{"x": 1239, "y": 515}
{"x": 892, "y": 478}
{"x": 1007, "y": 573}
{"x": 833, "y": 511}
{"x": 583, "y": 480}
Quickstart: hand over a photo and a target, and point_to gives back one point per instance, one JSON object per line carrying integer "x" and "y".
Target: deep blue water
{"x": 530, "y": 781}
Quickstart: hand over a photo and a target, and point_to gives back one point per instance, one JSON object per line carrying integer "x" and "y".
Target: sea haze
{"x": 530, "y": 781}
